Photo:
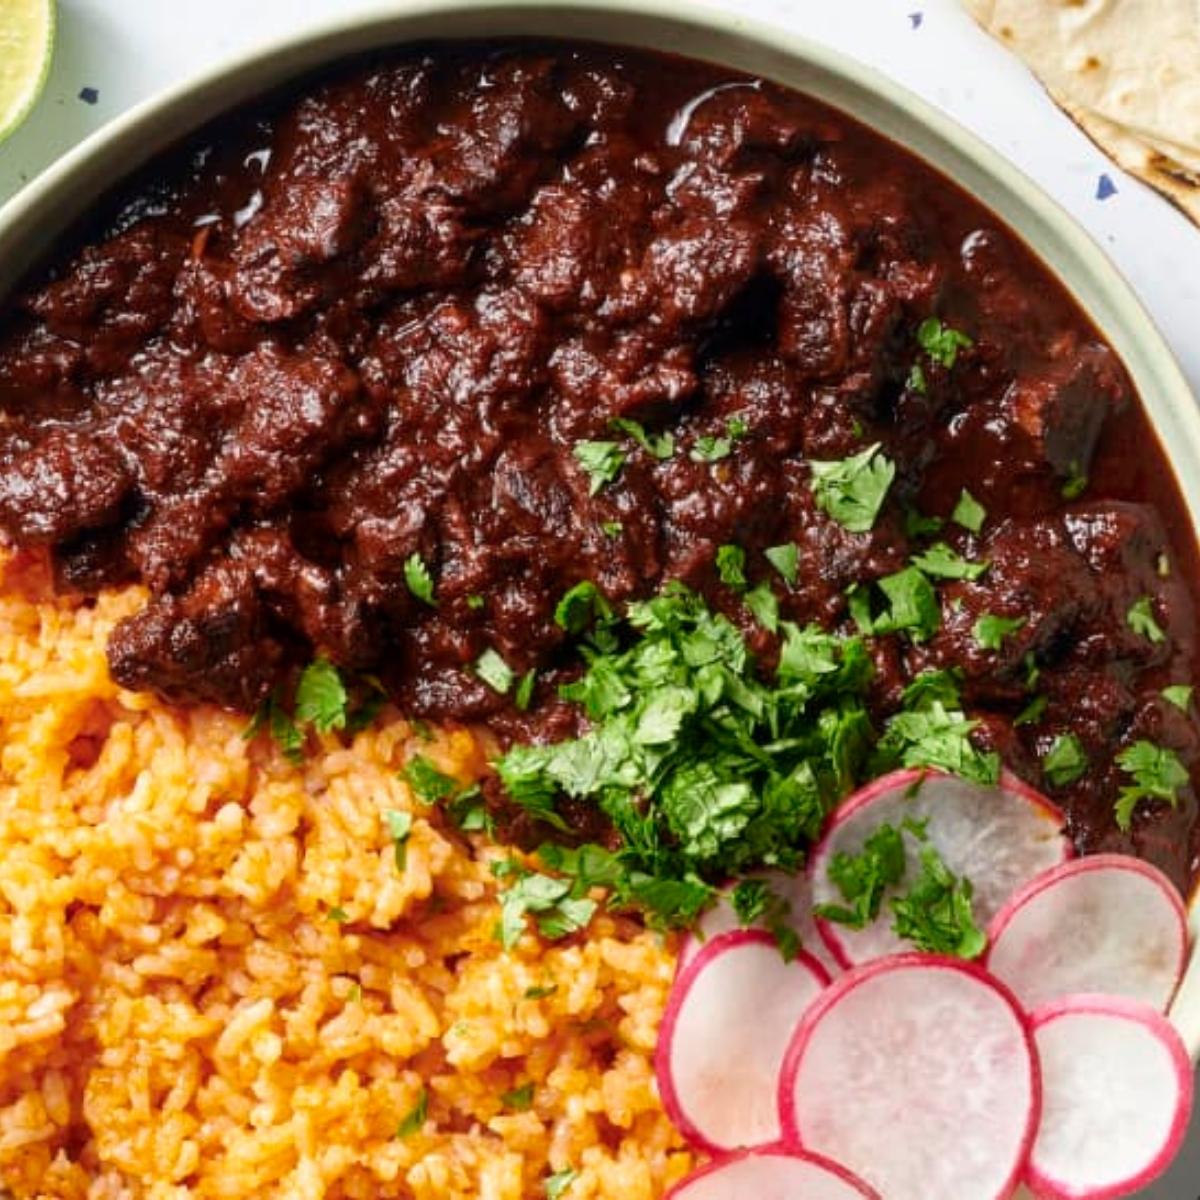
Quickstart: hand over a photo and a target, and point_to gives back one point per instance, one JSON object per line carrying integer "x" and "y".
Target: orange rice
{"x": 181, "y": 1016}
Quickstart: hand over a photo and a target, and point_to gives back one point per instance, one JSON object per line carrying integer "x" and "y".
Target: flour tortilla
{"x": 1128, "y": 71}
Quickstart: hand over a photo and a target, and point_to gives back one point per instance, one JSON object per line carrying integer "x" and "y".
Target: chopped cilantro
{"x": 852, "y": 490}
{"x": 933, "y": 686}
{"x": 523, "y": 696}
{"x": 556, "y": 1185}
{"x": 429, "y": 784}
{"x": 941, "y": 562}
{"x": 418, "y": 579}
{"x": 541, "y": 992}
{"x": 468, "y": 811}
{"x": 1180, "y": 695}
{"x": 1075, "y": 484}
{"x": 399, "y": 825}
{"x": 338, "y": 915}
{"x": 710, "y": 449}
{"x": 785, "y": 559}
{"x": 968, "y": 512}
{"x": 933, "y": 735}
{"x": 762, "y": 602}
{"x": 475, "y": 601}
{"x": 519, "y": 1099}
{"x": 918, "y": 525}
{"x": 942, "y": 343}
{"x": 1140, "y": 619}
{"x": 285, "y": 732}
{"x": 991, "y": 630}
{"x": 321, "y": 697}
{"x": 911, "y": 606}
{"x": 612, "y": 529}
{"x": 557, "y": 906}
{"x": 495, "y": 672}
{"x": 731, "y": 566}
{"x": 415, "y": 1121}
{"x": 935, "y": 914}
{"x": 863, "y": 878}
{"x": 737, "y": 427}
{"x": 1032, "y": 713}
{"x": 916, "y": 381}
{"x": 1065, "y": 762}
{"x": 658, "y": 445}
{"x": 1157, "y": 774}
{"x": 602, "y": 461}
{"x": 579, "y": 607}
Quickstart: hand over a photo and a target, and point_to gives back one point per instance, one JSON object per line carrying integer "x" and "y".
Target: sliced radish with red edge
{"x": 918, "y": 1074}
{"x": 997, "y": 837}
{"x": 794, "y": 890}
{"x": 772, "y": 1175}
{"x": 1117, "y": 1094}
{"x": 1108, "y": 923}
{"x": 729, "y": 1019}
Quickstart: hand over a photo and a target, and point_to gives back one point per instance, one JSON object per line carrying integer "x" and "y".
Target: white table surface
{"x": 128, "y": 49}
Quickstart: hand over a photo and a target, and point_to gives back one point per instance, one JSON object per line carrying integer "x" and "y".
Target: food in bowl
{"x": 460, "y": 512}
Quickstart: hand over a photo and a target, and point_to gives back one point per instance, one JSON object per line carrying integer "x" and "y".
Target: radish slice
{"x": 772, "y": 1175}
{"x": 793, "y": 889}
{"x": 728, "y": 1023}
{"x": 918, "y": 1074}
{"x": 997, "y": 837}
{"x": 1117, "y": 1096}
{"x": 1108, "y": 923}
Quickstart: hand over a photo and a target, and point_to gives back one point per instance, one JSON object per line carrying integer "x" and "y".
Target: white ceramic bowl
{"x": 33, "y": 219}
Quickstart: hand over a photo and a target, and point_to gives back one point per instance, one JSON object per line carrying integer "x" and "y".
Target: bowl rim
{"x": 46, "y": 206}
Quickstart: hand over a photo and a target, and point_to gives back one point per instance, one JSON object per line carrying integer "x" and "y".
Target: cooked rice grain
{"x": 179, "y": 1014}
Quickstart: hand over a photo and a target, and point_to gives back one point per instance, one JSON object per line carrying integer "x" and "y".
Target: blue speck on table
{"x": 917, "y": 19}
{"x": 89, "y": 95}
{"x": 1105, "y": 187}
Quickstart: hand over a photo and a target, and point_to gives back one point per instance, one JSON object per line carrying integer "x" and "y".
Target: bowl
{"x": 32, "y": 220}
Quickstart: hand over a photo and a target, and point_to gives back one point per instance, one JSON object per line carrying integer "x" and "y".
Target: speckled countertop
{"x": 112, "y": 53}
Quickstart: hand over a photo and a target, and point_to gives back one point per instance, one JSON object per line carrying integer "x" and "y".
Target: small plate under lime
{"x": 26, "y": 48}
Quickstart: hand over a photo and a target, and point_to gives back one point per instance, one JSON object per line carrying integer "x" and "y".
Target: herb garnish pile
{"x": 706, "y": 769}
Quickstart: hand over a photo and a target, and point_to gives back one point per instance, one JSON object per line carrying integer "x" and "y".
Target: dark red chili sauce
{"x": 374, "y": 317}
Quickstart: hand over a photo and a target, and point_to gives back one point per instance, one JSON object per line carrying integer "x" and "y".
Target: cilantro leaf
{"x": 1140, "y": 619}
{"x": 762, "y": 602}
{"x": 933, "y": 686}
{"x": 612, "y": 529}
{"x": 1180, "y": 695}
{"x": 321, "y": 697}
{"x": 916, "y": 381}
{"x": 1075, "y": 484}
{"x": 941, "y": 562}
{"x": 415, "y": 1121}
{"x": 1032, "y": 713}
{"x": 429, "y": 784}
{"x": 399, "y": 826}
{"x": 918, "y": 525}
{"x": 935, "y": 914}
{"x": 1157, "y": 773}
{"x": 968, "y": 512}
{"x": 935, "y": 736}
{"x": 556, "y": 1185}
{"x": 519, "y": 1099}
{"x": 495, "y": 672}
{"x": 418, "y": 579}
{"x": 541, "y": 992}
{"x": 475, "y": 602}
{"x": 991, "y": 630}
{"x": 1065, "y": 762}
{"x": 911, "y": 605}
{"x": 580, "y": 606}
{"x": 338, "y": 915}
{"x": 657, "y": 445}
{"x": 710, "y": 449}
{"x": 731, "y": 566}
{"x": 863, "y": 878}
{"x": 602, "y": 461}
{"x": 942, "y": 343}
{"x": 523, "y": 696}
{"x": 852, "y": 490}
{"x": 785, "y": 559}
{"x": 285, "y": 732}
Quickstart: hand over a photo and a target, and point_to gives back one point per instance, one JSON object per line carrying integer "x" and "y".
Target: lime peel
{"x": 26, "y": 49}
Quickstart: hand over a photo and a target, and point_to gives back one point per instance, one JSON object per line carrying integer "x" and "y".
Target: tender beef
{"x": 373, "y": 322}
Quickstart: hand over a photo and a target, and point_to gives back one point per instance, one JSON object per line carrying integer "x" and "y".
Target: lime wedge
{"x": 26, "y": 47}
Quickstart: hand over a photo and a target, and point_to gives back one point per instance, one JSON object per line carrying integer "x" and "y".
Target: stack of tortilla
{"x": 1128, "y": 71}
